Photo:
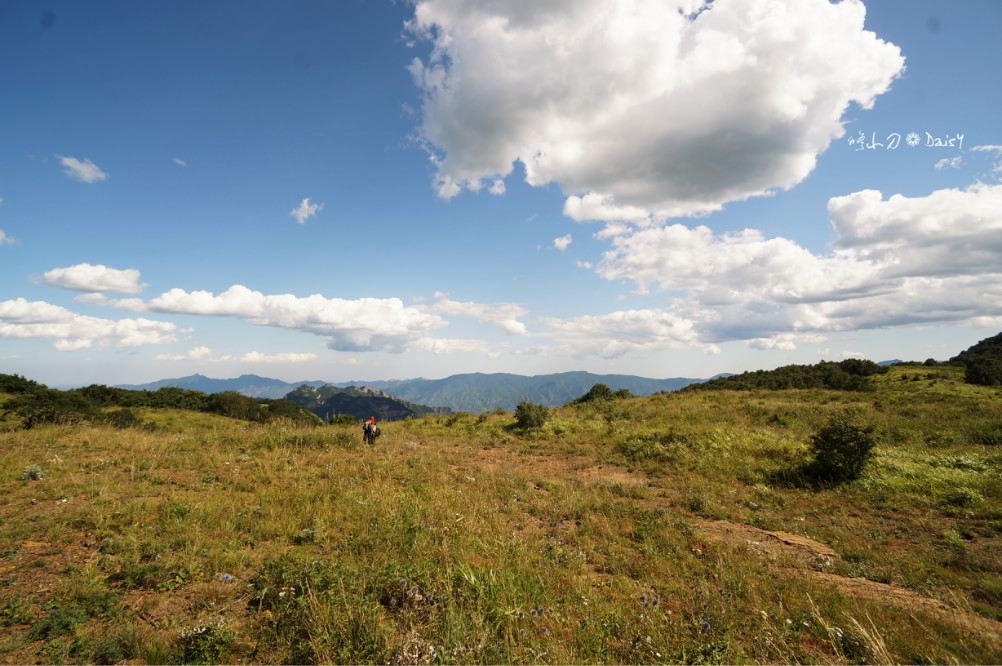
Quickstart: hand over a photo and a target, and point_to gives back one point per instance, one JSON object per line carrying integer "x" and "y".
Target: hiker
{"x": 370, "y": 431}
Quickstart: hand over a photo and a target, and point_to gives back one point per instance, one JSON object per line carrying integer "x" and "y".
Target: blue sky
{"x": 368, "y": 189}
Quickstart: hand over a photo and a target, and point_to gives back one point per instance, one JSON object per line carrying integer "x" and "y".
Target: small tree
{"x": 595, "y": 393}
{"x": 529, "y": 415}
{"x": 842, "y": 448}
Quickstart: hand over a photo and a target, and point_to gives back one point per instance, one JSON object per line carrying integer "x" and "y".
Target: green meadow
{"x": 674, "y": 528}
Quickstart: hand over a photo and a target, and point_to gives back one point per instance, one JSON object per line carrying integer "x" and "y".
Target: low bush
{"x": 841, "y": 448}
{"x": 530, "y": 416}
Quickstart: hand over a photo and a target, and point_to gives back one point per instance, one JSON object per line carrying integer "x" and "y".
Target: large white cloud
{"x": 896, "y": 262}
{"x": 20, "y": 318}
{"x": 88, "y": 278}
{"x": 365, "y": 324}
{"x": 642, "y": 107}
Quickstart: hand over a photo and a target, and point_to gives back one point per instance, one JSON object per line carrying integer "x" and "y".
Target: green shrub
{"x": 236, "y": 406}
{"x": 123, "y": 418}
{"x": 530, "y": 416}
{"x": 595, "y": 393}
{"x": 32, "y": 473}
{"x": 842, "y": 448}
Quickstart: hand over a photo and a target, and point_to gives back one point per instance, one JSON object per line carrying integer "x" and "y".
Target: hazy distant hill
{"x": 479, "y": 392}
{"x": 328, "y": 401}
{"x": 473, "y": 393}
{"x": 249, "y": 385}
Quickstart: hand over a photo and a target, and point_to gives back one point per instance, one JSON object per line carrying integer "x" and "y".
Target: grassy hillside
{"x": 598, "y": 538}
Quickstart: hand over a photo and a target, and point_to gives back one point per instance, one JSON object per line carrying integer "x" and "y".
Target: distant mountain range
{"x": 249, "y": 385}
{"x": 476, "y": 392}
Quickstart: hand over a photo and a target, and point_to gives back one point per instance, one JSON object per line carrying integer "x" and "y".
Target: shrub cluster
{"x": 848, "y": 375}
{"x": 601, "y": 393}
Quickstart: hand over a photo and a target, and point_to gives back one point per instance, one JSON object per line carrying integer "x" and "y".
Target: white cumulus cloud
{"x": 365, "y": 324}
{"x": 637, "y": 108}
{"x": 305, "y": 210}
{"x": 562, "y": 242}
{"x": 100, "y": 278}
{"x": 85, "y": 171}
{"x": 898, "y": 261}
{"x": 20, "y": 318}
{"x": 5, "y": 239}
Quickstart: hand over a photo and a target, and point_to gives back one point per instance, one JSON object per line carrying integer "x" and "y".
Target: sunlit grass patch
{"x": 461, "y": 539}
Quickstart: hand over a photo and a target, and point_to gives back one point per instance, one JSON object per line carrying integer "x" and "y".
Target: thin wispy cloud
{"x": 949, "y": 162}
{"x": 285, "y": 357}
{"x": 504, "y": 315}
{"x": 194, "y": 354}
{"x": 179, "y": 161}
{"x": 85, "y": 171}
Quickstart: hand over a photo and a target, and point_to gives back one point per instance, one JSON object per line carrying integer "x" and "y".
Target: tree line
{"x": 849, "y": 375}
{"x": 36, "y": 404}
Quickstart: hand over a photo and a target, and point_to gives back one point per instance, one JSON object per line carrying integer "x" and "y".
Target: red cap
{"x": 372, "y": 420}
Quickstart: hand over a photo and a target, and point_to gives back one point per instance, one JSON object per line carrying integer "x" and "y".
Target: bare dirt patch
{"x": 774, "y": 545}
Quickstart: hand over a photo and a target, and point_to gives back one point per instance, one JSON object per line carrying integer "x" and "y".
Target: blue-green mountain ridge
{"x": 472, "y": 392}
